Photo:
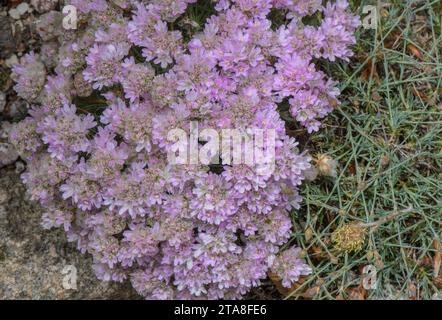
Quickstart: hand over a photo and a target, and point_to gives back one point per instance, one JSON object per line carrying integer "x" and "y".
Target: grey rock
{"x": 23, "y": 8}
{"x": 8, "y": 155}
{"x": 20, "y": 10}
{"x": 13, "y": 59}
{"x": 14, "y": 14}
{"x": 37, "y": 263}
{"x": 19, "y": 167}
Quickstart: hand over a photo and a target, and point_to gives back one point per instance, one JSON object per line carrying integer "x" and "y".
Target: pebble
{"x": 8, "y": 155}
{"x": 19, "y": 167}
{"x": 20, "y": 10}
{"x": 11, "y": 61}
{"x": 14, "y": 13}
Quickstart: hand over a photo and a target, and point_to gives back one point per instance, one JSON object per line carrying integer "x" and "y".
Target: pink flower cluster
{"x": 177, "y": 231}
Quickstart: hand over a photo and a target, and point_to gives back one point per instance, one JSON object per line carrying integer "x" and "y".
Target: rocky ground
{"x": 40, "y": 264}
{"x": 34, "y": 263}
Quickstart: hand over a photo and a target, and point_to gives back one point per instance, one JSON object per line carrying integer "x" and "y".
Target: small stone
{"x": 14, "y": 14}
{"x": 11, "y": 61}
{"x": 5, "y": 129}
{"x": 8, "y": 155}
{"x": 20, "y": 10}
{"x": 23, "y": 8}
{"x": 19, "y": 167}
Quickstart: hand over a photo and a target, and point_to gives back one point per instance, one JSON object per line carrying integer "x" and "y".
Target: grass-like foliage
{"x": 387, "y": 139}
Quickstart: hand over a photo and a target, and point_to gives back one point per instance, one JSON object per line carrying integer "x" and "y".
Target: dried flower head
{"x": 349, "y": 238}
{"x": 326, "y": 165}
